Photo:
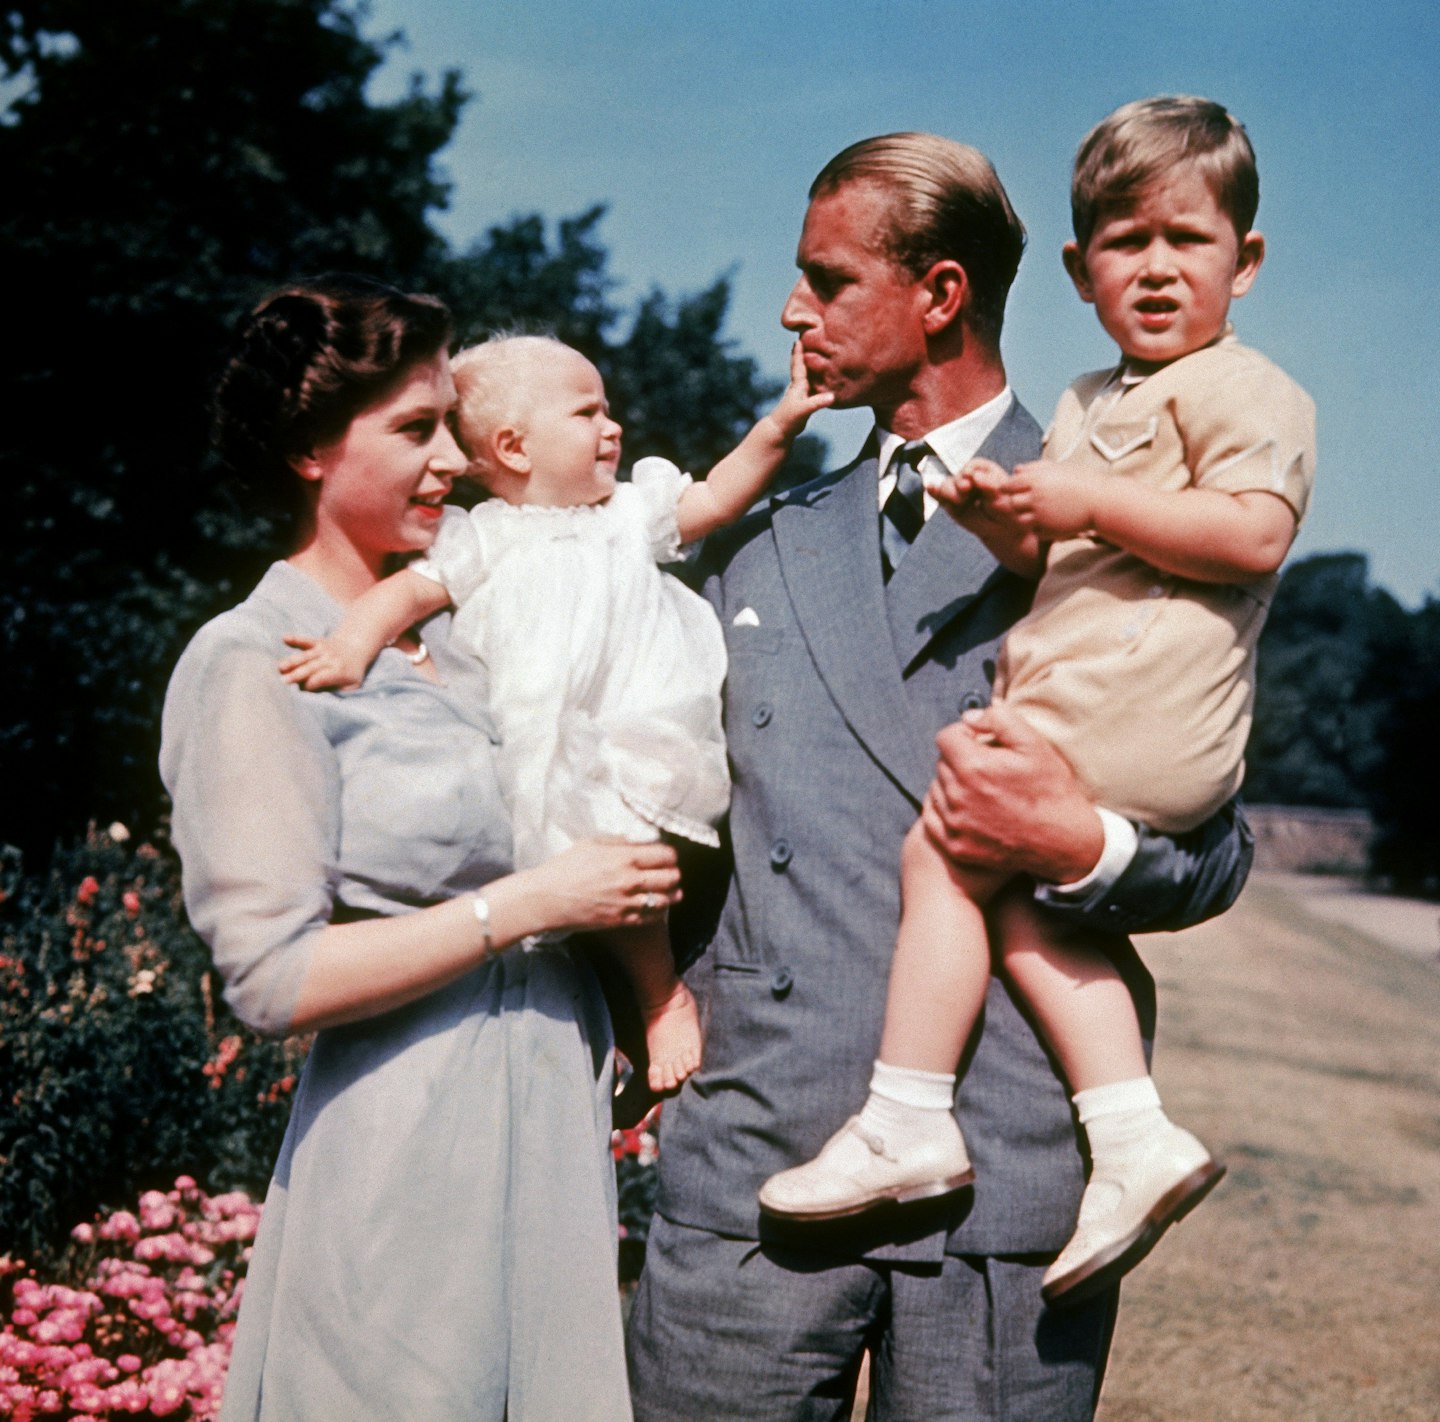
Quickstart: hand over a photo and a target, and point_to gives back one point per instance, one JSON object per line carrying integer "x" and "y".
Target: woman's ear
{"x": 1079, "y": 273}
{"x": 307, "y": 466}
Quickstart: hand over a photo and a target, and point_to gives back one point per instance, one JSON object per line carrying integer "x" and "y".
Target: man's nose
{"x": 798, "y": 312}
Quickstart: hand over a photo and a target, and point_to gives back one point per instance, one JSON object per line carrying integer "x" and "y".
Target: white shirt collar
{"x": 953, "y": 445}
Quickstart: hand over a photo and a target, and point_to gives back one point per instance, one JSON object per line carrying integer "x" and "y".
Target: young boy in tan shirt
{"x": 1168, "y": 497}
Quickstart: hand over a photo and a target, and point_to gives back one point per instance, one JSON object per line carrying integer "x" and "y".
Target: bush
{"x": 119, "y": 1062}
{"x": 142, "y": 1319}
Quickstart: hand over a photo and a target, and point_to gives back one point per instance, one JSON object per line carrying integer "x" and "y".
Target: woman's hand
{"x": 600, "y": 884}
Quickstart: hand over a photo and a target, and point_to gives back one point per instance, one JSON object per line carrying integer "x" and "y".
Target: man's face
{"x": 857, "y": 314}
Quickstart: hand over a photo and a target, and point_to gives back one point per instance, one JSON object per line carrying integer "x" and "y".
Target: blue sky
{"x": 702, "y": 124}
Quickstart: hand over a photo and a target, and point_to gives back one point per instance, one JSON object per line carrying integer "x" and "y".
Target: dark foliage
{"x": 1333, "y": 659}
{"x": 118, "y": 1057}
{"x": 166, "y": 163}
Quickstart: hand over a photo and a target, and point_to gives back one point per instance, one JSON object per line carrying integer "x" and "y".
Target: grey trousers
{"x": 728, "y": 1330}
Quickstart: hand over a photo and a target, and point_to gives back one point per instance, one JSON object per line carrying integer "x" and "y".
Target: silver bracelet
{"x": 481, "y": 909}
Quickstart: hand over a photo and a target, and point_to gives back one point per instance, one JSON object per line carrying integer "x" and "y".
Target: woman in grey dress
{"x": 439, "y": 1238}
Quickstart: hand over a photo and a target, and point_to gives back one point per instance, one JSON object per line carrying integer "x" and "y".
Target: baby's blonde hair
{"x": 1145, "y": 140}
{"x": 492, "y": 382}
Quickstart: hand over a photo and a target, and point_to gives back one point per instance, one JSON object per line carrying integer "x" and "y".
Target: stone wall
{"x": 1299, "y": 839}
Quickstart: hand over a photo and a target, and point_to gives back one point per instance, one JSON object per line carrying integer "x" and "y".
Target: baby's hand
{"x": 798, "y": 403}
{"x": 1053, "y": 501}
{"x": 323, "y": 664}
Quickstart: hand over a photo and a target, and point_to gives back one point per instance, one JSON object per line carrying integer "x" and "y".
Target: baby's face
{"x": 573, "y": 444}
{"x": 1162, "y": 272}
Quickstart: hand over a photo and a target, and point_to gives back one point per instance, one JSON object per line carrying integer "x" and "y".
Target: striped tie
{"x": 903, "y": 514}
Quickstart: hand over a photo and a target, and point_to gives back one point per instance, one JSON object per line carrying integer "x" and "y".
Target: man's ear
{"x": 948, "y": 289}
{"x": 1247, "y": 264}
{"x": 507, "y": 446}
{"x": 1074, "y": 260}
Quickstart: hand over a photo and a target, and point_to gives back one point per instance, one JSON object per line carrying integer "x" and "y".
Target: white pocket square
{"x": 746, "y": 617}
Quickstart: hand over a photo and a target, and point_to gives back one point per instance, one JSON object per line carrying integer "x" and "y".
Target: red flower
{"x": 89, "y": 887}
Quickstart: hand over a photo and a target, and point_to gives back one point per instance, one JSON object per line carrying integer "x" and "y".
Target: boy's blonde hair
{"x": 1143, "y": 141}
{"x": 946, "y": 202}
{"x": 492, "y": 380}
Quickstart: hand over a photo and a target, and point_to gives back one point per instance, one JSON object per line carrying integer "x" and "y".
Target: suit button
{"x": 761, "y": 714}
{"x": 782, "y": 982}
{"x": 781, "y": 854}
{"x": 971, "y": 701}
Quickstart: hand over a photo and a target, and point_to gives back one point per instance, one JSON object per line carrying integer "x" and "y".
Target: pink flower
{"x": 83, "y": 1234}
{"x": 89, "y": 888}
{"x": 128, "y": 1363}
{"x": 156, "y": 1211}
{"x": 131, "y": 900}
{"x": 121, "y": 1225}
{"x": 184, "y": 1182}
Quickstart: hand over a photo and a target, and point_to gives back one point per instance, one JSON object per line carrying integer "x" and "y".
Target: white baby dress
{"x": 605, "y": 673}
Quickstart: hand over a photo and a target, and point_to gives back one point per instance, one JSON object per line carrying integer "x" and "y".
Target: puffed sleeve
{"x": 456, "y": 559}
{"x": 1248, "y": 428}
{"x": 256, "y": 820}
{"x": 654, "y": 492}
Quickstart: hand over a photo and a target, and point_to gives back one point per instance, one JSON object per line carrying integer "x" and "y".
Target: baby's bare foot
{"x": 672, "y": 1035}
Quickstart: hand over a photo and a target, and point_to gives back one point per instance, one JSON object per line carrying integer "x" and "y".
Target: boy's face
{"x": 572, "y": 444}
{"x": 1161, "y": 273}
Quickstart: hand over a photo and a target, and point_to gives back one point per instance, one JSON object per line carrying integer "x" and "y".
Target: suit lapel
{"x": 947, "y": 569}
{"x": 827, "y": 538}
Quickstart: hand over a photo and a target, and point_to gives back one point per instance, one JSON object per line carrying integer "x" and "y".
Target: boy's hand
{"x": 1053, "y": 501}
{"x": 323, "y": 664}
{"x": 971, "y": 498}
{"x": 798, "y": 403}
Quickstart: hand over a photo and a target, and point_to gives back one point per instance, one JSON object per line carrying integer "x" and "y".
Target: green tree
{"x": 1332, "y": 663}
{"x": 165, "y": 161}
{"x": 1407, "y": 842}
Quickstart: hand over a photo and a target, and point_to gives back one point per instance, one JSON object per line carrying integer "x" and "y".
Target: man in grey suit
{"x": 844, "y": 667}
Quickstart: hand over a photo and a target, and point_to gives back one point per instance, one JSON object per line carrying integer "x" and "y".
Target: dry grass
{"x": 1306, "y": 1053}
{"x": 1307, "y": 1288}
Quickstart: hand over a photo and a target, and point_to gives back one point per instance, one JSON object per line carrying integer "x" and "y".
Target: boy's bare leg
{"x": 1083, "y": 1008}
{"x": 1146, "y": 1172}
{"x": 941, "y": 967}
{"x": 667, "y": 1009}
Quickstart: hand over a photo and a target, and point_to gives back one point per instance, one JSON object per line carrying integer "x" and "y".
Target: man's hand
{"x": 1005, "y": 799}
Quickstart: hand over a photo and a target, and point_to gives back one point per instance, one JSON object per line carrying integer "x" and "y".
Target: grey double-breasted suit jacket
{"x": 837, "y": 686}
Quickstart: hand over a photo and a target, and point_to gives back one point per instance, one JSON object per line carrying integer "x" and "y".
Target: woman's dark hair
{"x": 306, "y": 361}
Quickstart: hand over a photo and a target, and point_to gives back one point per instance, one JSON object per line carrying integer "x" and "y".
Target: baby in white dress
{"x": 605, "y": 673}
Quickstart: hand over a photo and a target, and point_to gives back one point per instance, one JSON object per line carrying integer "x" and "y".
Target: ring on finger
{"x": 650, "y": 903}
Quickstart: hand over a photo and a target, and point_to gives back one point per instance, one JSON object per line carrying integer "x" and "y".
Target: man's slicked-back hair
{"x": 1143, "y": 141}
{"x": 946, "y": 203}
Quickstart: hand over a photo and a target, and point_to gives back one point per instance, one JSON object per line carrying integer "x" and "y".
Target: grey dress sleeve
{"x": 256, "y": 820}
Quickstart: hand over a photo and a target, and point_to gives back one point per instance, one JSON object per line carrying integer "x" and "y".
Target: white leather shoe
{"x": 1124, "y": 1213}
{"x": 855, "y": 1171}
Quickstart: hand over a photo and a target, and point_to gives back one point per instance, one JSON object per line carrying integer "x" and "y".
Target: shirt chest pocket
{"x": 1114, "y": 439}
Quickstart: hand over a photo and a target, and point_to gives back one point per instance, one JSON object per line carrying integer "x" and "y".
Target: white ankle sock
{"x": 1120, "y": 1117}
{"x": 907, "y": 1106}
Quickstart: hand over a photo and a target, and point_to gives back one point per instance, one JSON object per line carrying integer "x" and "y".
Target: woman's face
{"x": 380, "y": 484}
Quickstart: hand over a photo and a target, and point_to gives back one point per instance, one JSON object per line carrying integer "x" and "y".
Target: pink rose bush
{"x": 145, "y": 1329}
